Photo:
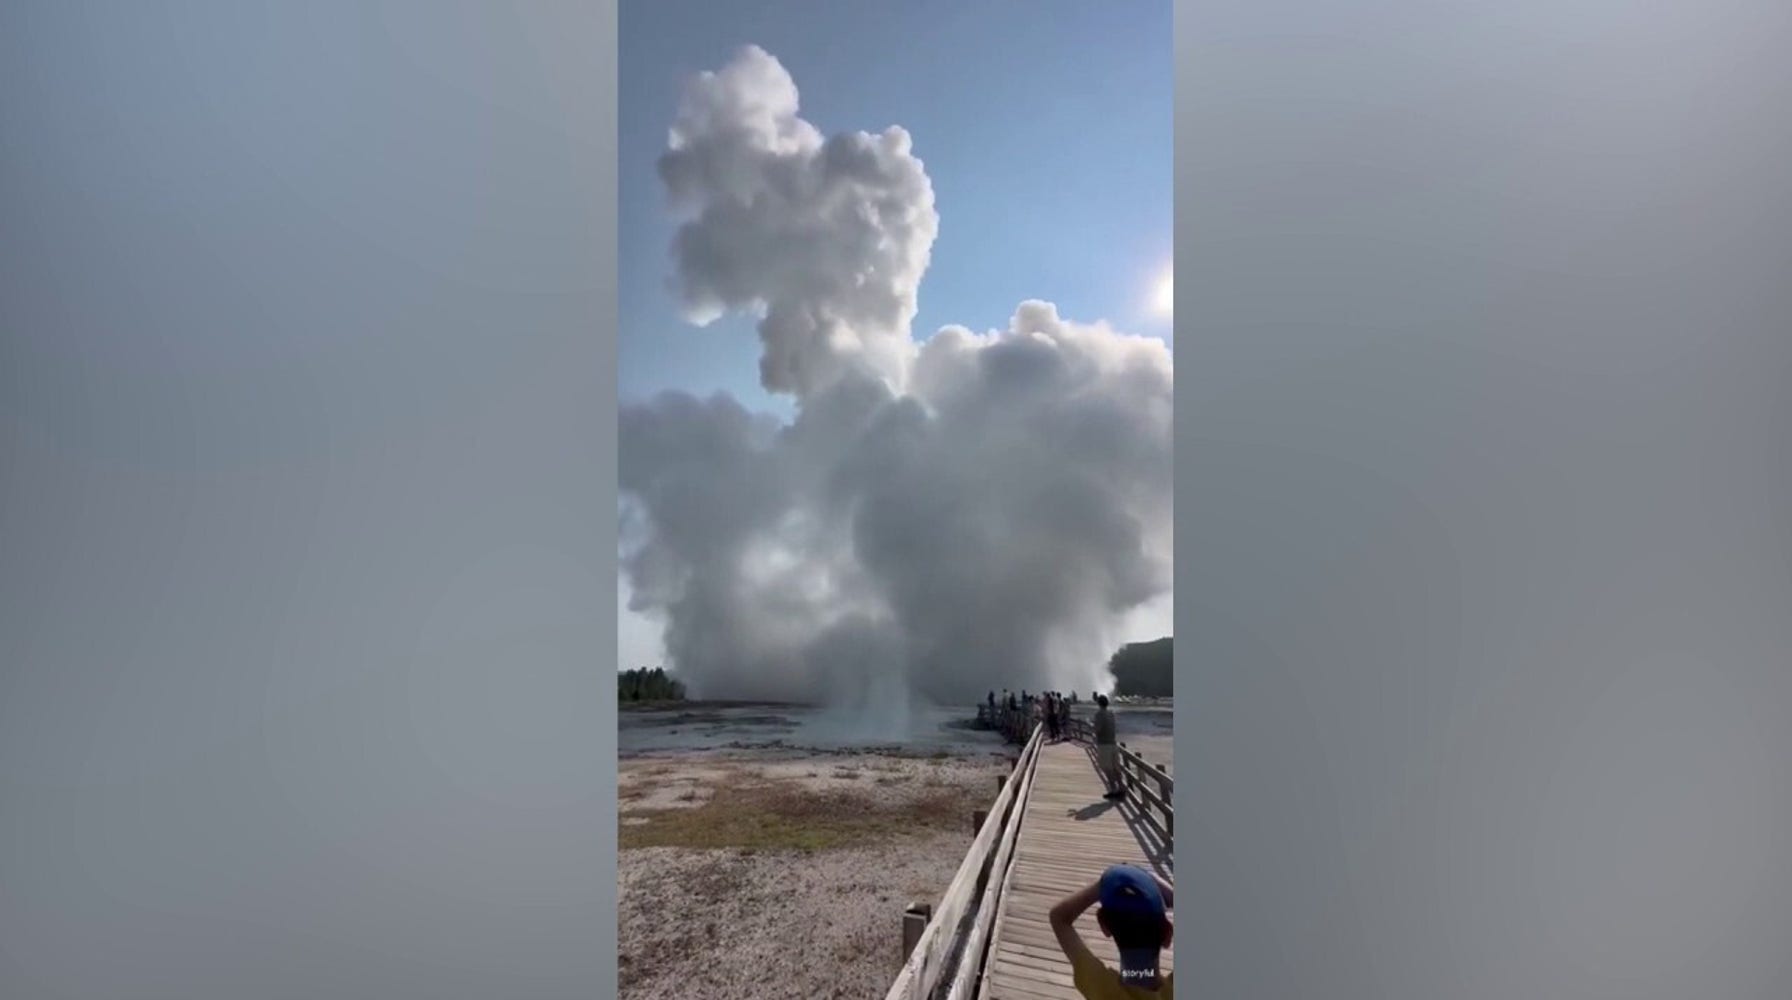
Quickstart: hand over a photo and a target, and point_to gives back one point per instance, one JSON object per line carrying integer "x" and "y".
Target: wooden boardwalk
{"x": 1048, "y": 833}
{"x": 1068, "y": 834}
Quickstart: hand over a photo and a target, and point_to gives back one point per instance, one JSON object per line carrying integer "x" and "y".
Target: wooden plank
{"x": 1060, "y": 976}
{"x": 1006, "y": 987}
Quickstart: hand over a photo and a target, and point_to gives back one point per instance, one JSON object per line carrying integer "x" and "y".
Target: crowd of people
{"x": 1052, "y": 709}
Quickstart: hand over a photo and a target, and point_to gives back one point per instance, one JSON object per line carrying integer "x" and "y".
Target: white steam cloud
{"x": 828, "y": 238}
{"x": 940, "y": 519}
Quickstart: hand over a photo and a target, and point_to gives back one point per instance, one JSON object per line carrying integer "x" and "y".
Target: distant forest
{"x": 643, "y": 684}
{"x": 1139, "y": 669}
{"x": 1142, "y": 669}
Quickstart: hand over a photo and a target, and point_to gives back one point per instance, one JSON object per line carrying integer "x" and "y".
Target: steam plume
{"x": 942, "y": 518}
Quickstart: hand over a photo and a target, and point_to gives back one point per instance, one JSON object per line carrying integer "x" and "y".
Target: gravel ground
{"x": 1156, "y": 749}
{"x": 769, "y": 923}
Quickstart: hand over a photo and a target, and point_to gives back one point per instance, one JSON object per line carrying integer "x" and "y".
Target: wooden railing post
{"x": 914, "y": 921}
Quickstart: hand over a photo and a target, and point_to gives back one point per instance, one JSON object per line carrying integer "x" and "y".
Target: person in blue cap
{"x": 1135, "y": 913}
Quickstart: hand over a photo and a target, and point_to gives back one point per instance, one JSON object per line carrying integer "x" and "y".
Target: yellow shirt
{"x": 1095, "y": 981}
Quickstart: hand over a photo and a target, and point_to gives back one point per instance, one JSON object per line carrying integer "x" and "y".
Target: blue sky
{"x": 1045, "y": 127}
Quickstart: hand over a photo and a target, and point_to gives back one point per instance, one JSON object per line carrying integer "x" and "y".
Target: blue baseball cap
{"x": 1129, "y": 890}
{"x": 1130, "y": 897}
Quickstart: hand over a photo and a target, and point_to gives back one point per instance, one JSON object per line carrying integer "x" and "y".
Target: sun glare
{"x": 1165, "y": 298}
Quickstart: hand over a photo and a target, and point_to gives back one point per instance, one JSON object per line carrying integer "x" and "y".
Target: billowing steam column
{"x": 939, "y": 519}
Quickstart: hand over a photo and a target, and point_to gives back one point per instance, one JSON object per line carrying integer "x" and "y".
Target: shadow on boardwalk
{"x": 1146, "y": 831}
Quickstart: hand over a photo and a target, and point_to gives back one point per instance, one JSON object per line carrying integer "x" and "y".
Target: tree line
{"x": 1139, "y": 669}
{"x": 1142, "y": 669}
{"x": 642, "y": 684}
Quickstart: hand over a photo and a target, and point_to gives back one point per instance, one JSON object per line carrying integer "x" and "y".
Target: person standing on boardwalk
{"x": 1051, "y": 718}
{"x": 1134, "y": 912}
{"x": 1107, "y": 752}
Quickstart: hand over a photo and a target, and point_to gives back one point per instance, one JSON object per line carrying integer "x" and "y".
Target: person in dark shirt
{"x": 1107, "y": 751}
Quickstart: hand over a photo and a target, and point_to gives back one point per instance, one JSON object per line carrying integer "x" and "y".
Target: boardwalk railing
{"x": 967, "y": 979}
{"x": 948, "y": 957}
{"x": 1149, "y": 786}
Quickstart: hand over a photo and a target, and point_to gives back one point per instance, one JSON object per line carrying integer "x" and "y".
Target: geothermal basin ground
{"x": 768, "y": 851}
